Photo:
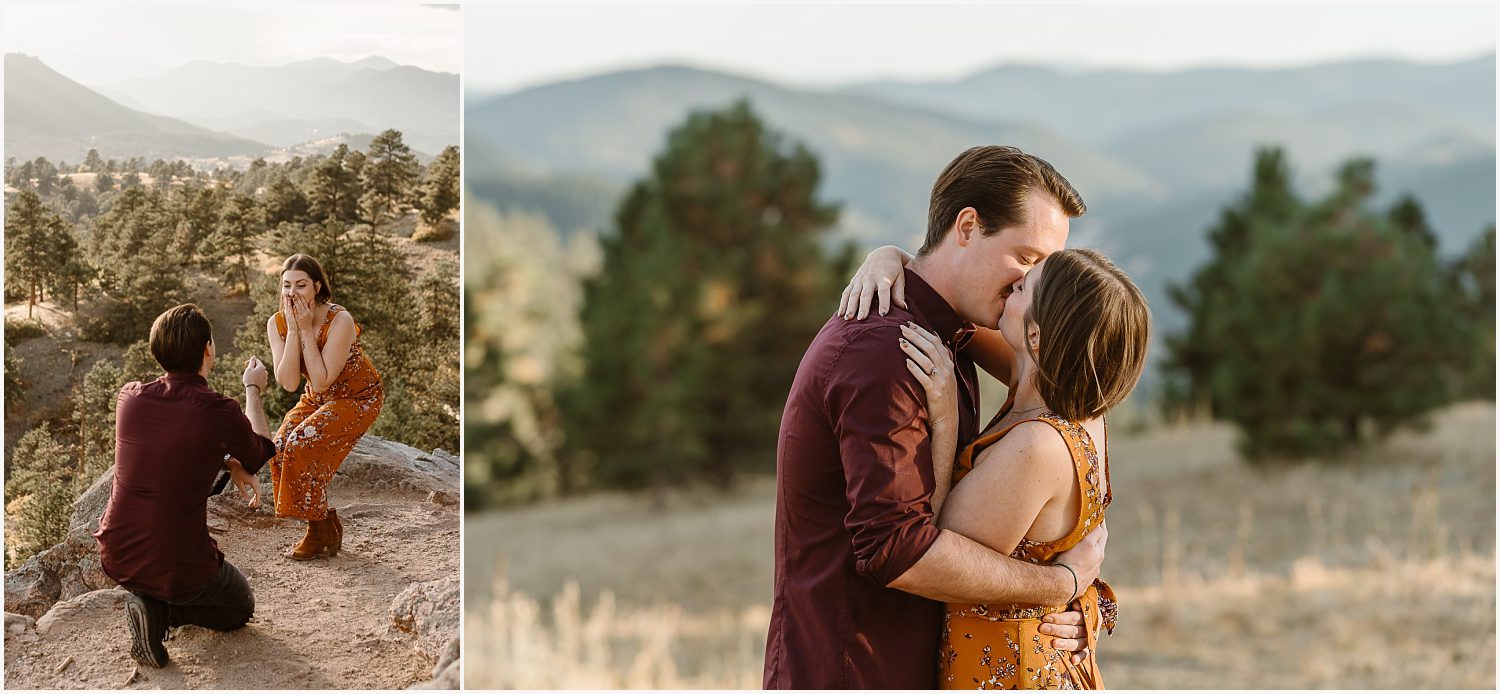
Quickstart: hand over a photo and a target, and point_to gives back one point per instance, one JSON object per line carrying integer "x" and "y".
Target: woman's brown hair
{"x": 314, "y": 270}
{"x": 1094, "y": 325}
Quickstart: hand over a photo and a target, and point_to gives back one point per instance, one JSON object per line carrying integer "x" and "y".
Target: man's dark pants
{"x": 224, "y": 605}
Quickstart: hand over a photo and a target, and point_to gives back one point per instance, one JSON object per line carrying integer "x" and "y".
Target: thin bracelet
{"x": 252, "y": 385}
{"x": 1074, "y": 595}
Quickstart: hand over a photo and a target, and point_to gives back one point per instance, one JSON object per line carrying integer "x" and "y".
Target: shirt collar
{"x": 929, "y": 305}
{"x": 188, "y": 376}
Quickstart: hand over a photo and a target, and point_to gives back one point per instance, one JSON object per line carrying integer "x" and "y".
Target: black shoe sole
{"x": 142, "y": 648}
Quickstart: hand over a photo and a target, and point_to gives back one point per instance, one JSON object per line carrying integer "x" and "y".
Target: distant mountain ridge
{"x": 47, "y": 114}
{"x": 878, "y": 157}
{"x": 307, "y": 100}
{"x": 1155, "y": 156}
{"x": 1100, "y": 106}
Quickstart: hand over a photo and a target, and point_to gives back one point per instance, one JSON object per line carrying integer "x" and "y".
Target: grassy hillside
{"x": 1373, "y": 572}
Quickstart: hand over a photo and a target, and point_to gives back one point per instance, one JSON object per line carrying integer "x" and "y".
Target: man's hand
{"x": 255, "y": 374}
{"x": 1085, "y": 559}
{"x": 249, "y": 486}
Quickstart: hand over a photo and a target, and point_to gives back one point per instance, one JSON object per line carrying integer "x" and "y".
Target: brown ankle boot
{"x": 338, "y": 531}
{"x": 320, "y": 536}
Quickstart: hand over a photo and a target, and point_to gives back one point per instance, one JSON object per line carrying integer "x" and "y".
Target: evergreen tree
{"x": 712, "y": 284}
{"x": 389, "y": 173}
{"x": 15, "y": 388}
{"x": 38, "y": 495}
{"x": 332, "y": 192}
{"x": 94, "y": 414}
{"x": 104, "y": 182}
{"x": 93, "y": 162}
{"x": 1318, "y": 326}
{"x": 1474, "y": 277}
{"x": 199, "y": 208}
{"x": 284, "y": 202}
{"x": 440, "y": 193}
{"x": 34, "y": 241}
{"x": 234, "y": 238}
{"x": 140, "y": 266}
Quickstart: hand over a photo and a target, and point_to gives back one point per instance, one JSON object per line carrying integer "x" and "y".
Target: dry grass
{"x": 1372, "y": 572}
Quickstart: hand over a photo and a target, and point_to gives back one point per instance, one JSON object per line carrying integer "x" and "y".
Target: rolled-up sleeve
{"x": 240, "y": 440}
{"x": 880, "y": 418}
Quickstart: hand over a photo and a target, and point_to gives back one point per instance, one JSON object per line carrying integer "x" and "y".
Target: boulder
{"x": 17, "y": 623}
{"x": 429, "y": 611}
{"x": 69, "y": 614}
{"x": 381, "y": 463}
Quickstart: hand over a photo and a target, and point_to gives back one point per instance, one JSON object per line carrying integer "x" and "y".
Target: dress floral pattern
{"x": 1001, "y": 646}
{"x": 317, "y": 434}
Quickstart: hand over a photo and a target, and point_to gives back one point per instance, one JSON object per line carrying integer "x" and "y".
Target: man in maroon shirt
{"x": 172, "y": 437}
{"x": 862, "y": 570}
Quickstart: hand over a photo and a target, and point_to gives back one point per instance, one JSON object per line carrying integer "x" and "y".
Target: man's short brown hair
{"x": 1095, "y": 326}
{"x": 995, "y": 181}
{"x": 179, "y": 336}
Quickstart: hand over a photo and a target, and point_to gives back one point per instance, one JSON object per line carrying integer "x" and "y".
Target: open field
{"x": 1377, "y": 571}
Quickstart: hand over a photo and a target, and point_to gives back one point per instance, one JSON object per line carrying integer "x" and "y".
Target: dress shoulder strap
{"x": 1087, "y": 468}
{"x": 280, "y": 324}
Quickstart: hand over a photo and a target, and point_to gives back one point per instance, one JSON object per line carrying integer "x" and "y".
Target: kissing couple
{"x": 916, "y": 549}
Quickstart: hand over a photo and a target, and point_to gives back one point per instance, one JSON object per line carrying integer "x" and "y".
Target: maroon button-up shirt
{"x": 853, "y": 505}
{"x": 171, "y": 436}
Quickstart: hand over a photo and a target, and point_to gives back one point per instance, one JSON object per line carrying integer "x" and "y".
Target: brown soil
{"x": 321, "y": 624}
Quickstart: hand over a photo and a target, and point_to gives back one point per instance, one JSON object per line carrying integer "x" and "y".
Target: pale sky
{"x": 99, "y": 43}
{"x": 511, "y": 47}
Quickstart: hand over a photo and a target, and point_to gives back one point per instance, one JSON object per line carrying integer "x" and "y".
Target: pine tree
{"x": 38, "y": 495}
{"x": 284, "y": 202}
{"x": 234, "y": 238}
{"x": 440, "y": 194}
{"x": 93, "y": 162}
{"x": 140, "y": 266}
{"x": 1474, "y": 277}
{"x": 34, "y": 241}
{"x": 94, "y": 414}
{"x": 15, "y": 388}
{"x": 1317, "y": 326}
{"x": 332, "y": 191}
{"x": 712, "y": 284}
{"x": 389, "y": 173}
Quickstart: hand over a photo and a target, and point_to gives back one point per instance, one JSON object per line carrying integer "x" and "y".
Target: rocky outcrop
{"x": 430, "y": 612}
{"x": 70, "y": 568}
{"x": 388, "y": 464}
{"x": 391, "y": 596}
{"x": 75, "y": 611}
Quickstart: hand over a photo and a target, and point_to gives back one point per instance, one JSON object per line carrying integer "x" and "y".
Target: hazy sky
{"x": 101, "y": 43}
{"x": 511, "y": 47}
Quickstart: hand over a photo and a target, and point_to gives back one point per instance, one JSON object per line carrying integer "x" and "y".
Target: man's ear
{"x": 967, "y": 226}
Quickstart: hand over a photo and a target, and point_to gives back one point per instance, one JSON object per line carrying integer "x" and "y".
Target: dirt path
{"x": 322, "y": 624}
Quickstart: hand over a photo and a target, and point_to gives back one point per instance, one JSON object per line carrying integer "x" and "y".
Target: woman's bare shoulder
{"x": 1033, "y": 447}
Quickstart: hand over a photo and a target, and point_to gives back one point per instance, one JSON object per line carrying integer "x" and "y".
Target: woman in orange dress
{"x": 1035, "y": 481}
{"x": 314, "y": 339}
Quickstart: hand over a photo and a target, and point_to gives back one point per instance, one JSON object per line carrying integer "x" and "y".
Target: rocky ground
{"x": 382, "y": 615}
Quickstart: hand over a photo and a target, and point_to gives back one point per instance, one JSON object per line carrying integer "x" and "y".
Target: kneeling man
{"x": 172, "y": 437}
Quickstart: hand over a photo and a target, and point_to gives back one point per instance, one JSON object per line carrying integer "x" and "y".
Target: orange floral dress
{"x": 1000, "y": 646}
{"x": 319, "y": 432}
